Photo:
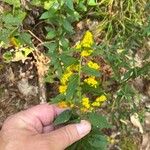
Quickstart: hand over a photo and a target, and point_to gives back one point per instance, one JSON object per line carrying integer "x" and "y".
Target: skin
{"x": 33, "y": 129}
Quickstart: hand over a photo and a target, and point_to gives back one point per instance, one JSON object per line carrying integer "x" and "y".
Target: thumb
{"x": 65, "y": 136}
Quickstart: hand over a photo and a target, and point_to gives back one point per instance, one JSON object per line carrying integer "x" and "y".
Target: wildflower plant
{"x": 93, "y": 74}
{"x": 75, "y": 92}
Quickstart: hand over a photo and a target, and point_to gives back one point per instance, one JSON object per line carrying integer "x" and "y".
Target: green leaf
{"x": 98, "y": 121}
{"x": 63, "y": 118}
{"x": 98, "y": 141}
{"x": 72, "y": 86}
{"x": 68, "y": 60}
{"x": 64, "y": 43}
{"x": 51, "y": 33}
{"x": 25, "y": 38}
{"x": 58, "y": 98}
{"x": 51, "y": 47}
{"x": 67, "y": 25}
{"x": 92, "y": 2}
{"x": 69, "y": 3}
{"x": 49, "y": 4}
{"x": 94, "y": 91}
{"x": 5, "y": 35}
{"x": 91, "y": 71}
{"x": 48, "y": 14}
{"x": 9, "y": 19}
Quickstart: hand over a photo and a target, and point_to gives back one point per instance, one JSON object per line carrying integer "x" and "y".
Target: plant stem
{"x": 79, "y": 80}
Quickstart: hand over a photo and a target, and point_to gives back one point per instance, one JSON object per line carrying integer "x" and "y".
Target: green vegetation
{"x": 94, "y": 71}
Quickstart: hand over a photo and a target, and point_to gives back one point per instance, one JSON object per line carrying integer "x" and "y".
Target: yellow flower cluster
{"x": 65, "y": 104}
{"x": 99, "y": 100}
{"x": 88, "y": 40}
{"x": 86, "y": 53}
{"x": 65, "y": 78}
{"x": 93, "y": 65}
{"x": 91, "y": 81}
{"x": 73, "y": 68}
{"x": 86, "y": 102}
{"x": 86, "y": 44}
{"x": 62, "y": 89}
{"x": 87, "y": 106}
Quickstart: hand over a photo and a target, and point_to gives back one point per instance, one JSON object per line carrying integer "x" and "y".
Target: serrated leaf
{"x": 72, "y": 86}
{"x": 48, "y": 14}
{"x": 90, "y": 71}
{"x": 58, "y": 98}
{"x": 98, "y": 121}
{"x": 67, "y": 26}
{"x": 68, "y": 60}
{"x": 51, "y": 47}
{"x": 63, "y": 118}
{"x": 69, "y": 3}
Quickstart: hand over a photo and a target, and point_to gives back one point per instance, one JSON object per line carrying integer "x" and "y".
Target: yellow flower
{"x": 88, "y": 40}
{"x": 96, "y": 104}
{"x": 78, "y": 45}
{"x": 62, "y": 104}
{"x": 91, "y": 81}
{"x": 62, "y": 89}
{"x": 86, "y": 53}
{"x": 66, "y": 77}
{"x": 86, "y": 102}
{"x": 93, "y": 65}
{"x": 102, "y": 98}
{"x": 72, "y": 68}
{"x": 85, "y": 99}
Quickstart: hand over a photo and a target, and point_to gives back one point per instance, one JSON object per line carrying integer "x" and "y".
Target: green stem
{"x": 79, "y": 80}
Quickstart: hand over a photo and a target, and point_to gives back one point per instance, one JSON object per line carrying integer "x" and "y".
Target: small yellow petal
{"x": 93, "y": 65}
{"x": 102, "y": 98}
{"x": 96, "y": 104}
{"x": 91, "y": 81}
{"x": 62, "y": 104}
{"x": 86, "y": 53}
{"x": 62, "y": 89}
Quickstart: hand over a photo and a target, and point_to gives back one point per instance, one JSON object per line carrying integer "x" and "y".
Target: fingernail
{"x": 84, "y": 127}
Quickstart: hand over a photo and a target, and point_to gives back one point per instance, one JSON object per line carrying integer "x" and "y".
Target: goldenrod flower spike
{"x": 88, "y": 40}
{"x": 65, "y": 77}
{"x": 91, "y": 81}
{"x": 86, "y": 102}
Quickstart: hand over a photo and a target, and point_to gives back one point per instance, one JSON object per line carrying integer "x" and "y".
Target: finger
{"x": 35, "y": 118}
{"x": 67, "y": 135}
{"x": 44, "y": 113}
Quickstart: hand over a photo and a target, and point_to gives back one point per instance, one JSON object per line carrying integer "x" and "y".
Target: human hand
{"x": 33, "y": 129}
